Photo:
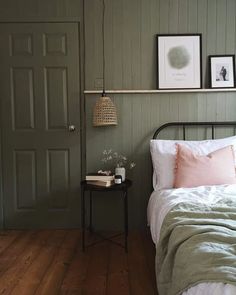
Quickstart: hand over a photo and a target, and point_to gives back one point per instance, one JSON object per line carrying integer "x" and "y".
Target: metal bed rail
{"x": 195, "y": 124}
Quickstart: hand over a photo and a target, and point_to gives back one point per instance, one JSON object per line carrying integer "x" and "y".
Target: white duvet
{"x": 162, "y": 201}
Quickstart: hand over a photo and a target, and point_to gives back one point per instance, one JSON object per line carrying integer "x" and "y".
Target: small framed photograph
{"x": 222, "y": 71}
{"x": 179, "y": 61}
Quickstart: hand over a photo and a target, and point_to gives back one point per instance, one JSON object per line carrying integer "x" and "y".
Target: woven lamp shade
{"x": 104, "y": 112}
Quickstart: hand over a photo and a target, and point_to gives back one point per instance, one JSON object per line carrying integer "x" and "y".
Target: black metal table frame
{"x": 123, "y": 188}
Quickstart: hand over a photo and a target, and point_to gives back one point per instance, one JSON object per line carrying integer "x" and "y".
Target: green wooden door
{"x": 40, "y": 99}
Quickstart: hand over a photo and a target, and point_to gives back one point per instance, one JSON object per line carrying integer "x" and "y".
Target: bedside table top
{"x": 115, "y": 187}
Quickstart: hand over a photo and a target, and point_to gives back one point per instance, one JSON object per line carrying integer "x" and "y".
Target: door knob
{"x": 71, "y": 128}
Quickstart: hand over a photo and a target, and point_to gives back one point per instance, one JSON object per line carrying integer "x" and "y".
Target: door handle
{"x": 71, "y": 128}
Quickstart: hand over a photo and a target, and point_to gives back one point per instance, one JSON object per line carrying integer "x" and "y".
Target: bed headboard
{"x": 184, "y": 125}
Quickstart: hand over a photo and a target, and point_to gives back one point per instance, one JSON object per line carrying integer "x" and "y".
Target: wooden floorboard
{"x": 51, "y": 262}
{"x": 118, "y": 278}
{"x": 149, "y": 252}
{"x": 12, "y": 275}
{"x": 139, "y": 276}
{"x": 14, "y": 250}
{"x": 7, "y": 237}
{"x": 30, "y": 281}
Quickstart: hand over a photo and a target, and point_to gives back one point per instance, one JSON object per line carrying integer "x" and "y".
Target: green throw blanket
{"x": 197, "y": 244}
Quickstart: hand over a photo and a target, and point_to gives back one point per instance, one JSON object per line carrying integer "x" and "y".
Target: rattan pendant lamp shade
{"x": 104, "y": 112}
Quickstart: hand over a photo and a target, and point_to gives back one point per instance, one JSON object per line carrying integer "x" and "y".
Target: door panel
{"x": 39, "y": 100}
{"x": 25, "y": 179}
{"x": 22, "y": 96}
{"x": 56, "y": 94}
{"x": 58, "y": 178}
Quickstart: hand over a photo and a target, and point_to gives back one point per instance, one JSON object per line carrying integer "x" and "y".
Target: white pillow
{"x": 163, "y": 154}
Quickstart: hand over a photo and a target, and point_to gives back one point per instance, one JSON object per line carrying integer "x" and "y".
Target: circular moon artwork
{"x": 178, "y": 57}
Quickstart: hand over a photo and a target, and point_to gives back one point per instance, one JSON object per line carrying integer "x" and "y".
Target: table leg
{"x": 83, "y": 218}
{"x": 91, "y": 213}
{"x": 126, "y": 219}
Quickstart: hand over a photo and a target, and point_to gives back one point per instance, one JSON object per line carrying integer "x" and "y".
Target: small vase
{"x": 120, "y": 171}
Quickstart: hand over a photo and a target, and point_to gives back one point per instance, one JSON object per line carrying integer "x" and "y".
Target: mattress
{"x": 162, "y": 201}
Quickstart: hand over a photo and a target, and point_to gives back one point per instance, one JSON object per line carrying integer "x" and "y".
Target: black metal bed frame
{"x": 195, "y": 124}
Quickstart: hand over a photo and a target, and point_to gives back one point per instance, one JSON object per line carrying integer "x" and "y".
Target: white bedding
{"x": 163, "y": 200}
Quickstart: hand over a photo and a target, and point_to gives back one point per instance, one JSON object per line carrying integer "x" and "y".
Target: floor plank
{"x": 149, "y": 252}
{"x": 96, "y": 277}
{"x": 14, "y": 250}
{"x": 53, "y": 278}
{"x": 7, "y": 237}
{"x": 76, "y": 273}
{"x": 13, "y": 274}
{"x": 118, "y": 278}
{"x": 51, "y": 262}
{"x": 33, "y": 276}
{"x": 139, "y": 278}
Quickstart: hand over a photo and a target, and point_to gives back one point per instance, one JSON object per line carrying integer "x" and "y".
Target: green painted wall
{"x": 131, "y": 26}
{"x": 23, "y": 9}
{"x": 130, "y": 48}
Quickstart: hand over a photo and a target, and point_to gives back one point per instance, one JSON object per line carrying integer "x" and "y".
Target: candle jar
{"x": 120, "y": 171}
{"x": 118, "y": 179}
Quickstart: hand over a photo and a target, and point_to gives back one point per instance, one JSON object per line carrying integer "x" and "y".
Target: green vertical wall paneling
{"x": 183, "y": 16}
{"x": 117, "y": 46}
{"x": 37, "y": 8}
{"x": 90, "y": 69}
{"x": 135, "y": 24}
{"x": 202, "y": 28}
{"x": 230, "y": 26}
{"x": 97, "y": 35}
{"x": 146, "y": 45}
{"x": 131, "y": 27}
{"x": 155, "y": 27}
{"x": 138, "y": 112}
{"x": 173, "y": 17}
{"x": 135, "y": 43}
{"x": 126, "y": 45}
{"x": 211, "y": 26}
{"x": 109, "y": 45}
{"x": 221, "y": 26}
{"x": 211, "y": 31}
{"x": 192, "y": 16}
{"x": 230, "y": 109}
{"x": 164, "y": 13}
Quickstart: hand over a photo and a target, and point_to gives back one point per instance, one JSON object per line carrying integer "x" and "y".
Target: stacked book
{"x": 100, "y": 179}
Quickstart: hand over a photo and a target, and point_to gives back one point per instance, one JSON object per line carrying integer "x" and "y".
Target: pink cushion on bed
{"x": 193, "y": 170}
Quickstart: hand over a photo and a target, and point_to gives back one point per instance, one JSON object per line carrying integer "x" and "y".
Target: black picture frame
{"x": 179, "y": 61}
{"x": 222, "y": 71}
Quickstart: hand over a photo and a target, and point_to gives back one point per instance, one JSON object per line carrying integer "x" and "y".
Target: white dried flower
{"x": 132, "y": 165}
{"x": 115, "y": 159}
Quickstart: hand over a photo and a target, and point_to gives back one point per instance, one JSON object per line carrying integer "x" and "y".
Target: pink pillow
{"x": 194, "y": 170}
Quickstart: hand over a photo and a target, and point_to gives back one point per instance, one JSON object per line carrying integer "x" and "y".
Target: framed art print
{"x": 222, "y": 71}
{"x": 179, "y": 61}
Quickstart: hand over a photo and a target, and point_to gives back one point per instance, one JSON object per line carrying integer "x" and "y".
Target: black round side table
{"x": 123, "y": 188}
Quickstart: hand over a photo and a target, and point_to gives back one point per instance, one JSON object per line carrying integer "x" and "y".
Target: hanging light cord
{"x": 103, "y": 47}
